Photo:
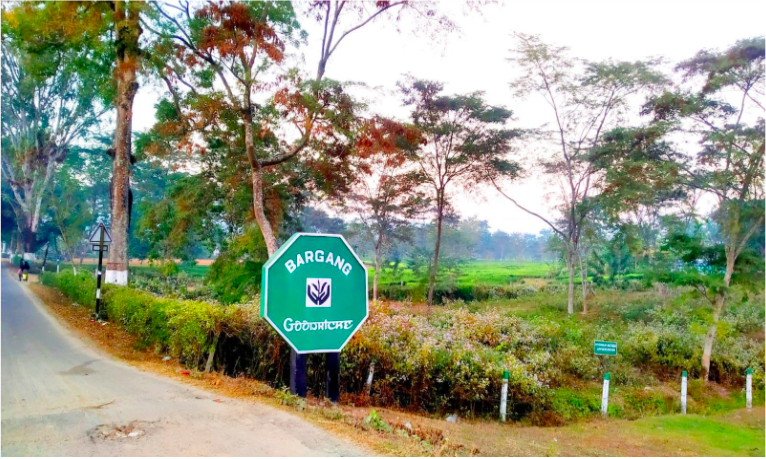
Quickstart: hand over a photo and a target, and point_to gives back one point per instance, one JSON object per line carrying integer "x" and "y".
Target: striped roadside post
{"x": 98, "y": 273}
{"x": 683, "y": 392}
{"x": 504, "y": 396}
{"x": 99, "y": 238}
{"x": 605, "y": 395}
{"x": 749, "y": 388}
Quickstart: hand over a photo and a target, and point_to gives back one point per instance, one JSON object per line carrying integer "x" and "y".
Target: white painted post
{"x": 504, "y": 396}
{"x": 749, "y": 388}
{"x": 683, "y": 393}
{"x": 605, "y": 395}
{"x": 57, "y": 269}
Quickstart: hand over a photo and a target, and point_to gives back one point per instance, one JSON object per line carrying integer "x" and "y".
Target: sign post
{"x": 101, "y": 236}
{"x": 749, "y": 388}
{"x": 314, "y": 294}
{"x": 603, "y": 348}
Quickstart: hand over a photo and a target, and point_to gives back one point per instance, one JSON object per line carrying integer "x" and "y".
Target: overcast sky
{"x": 476, "y": 58}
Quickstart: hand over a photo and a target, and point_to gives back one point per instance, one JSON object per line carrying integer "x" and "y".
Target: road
{"x": 60, "y": 397}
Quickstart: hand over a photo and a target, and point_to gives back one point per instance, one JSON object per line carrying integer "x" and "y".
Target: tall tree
{"x": 467, "y": 143}
{"x": 585, "y": 100}
{"x": 110, "y": 33}
{"x": 126, "y": 30}
{"x": 721, "y": 104}
{"x": 70, "y": 213}
{"x": 219, "y": 66}
{"x": 386, "y": 196}
{"x": 640, "y": 181}
{"x": 50, "y": 100}
{"x": 221, "y": 56}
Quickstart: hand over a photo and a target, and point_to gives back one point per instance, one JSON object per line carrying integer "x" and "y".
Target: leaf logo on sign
{"x": 318, "y": 291}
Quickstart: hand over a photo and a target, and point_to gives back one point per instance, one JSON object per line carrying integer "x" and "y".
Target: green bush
{"x": 575, "y": 404}
{"x": 183, "y": 328}
{"x": 444, "y": 293}
{"x": 80, "y": 287}
{"x": 232, "y": 281}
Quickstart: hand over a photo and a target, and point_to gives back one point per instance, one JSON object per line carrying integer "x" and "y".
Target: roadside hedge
{"x": 450, "y": 362}
{"x": 79, "y": 287}
{"x": 446, "y": 293}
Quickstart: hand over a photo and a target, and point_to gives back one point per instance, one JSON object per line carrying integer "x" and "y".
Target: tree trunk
{"x": 29, "y": 237}
{"x": 375, "y": 278}
{"x": 127, "y": 32}
{"x": 707, "y": 349}
{"x": 71, "y": 255}
{"x": 211, "y": 355}
{"x": 256, "y": 176}
{"x": 370, "y": 376}
{"x": 435, "y": 264}
{"x": 570, "y": 271}
{"x": 584, "y": 276}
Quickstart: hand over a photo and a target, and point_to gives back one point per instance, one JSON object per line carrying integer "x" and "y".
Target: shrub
{"x": 575, "y": 404}
{"x": 183, "y": 328}
{"x": 80, "y": 287}
{"x": 233, "y": 281}
{"x": 448, "y": 292}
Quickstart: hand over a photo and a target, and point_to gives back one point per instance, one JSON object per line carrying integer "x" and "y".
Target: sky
{"x": 476, "y": 59}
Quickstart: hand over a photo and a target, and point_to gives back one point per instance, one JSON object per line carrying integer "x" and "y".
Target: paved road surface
{"x": 60, "y": 397}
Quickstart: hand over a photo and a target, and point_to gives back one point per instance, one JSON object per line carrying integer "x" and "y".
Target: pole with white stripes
{"x": 98, "y": 273}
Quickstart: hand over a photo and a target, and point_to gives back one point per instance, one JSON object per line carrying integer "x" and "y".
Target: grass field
{"x": 478, "y": 272}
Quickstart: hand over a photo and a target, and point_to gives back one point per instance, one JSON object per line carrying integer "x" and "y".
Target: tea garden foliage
{"x": 453, "y": 360}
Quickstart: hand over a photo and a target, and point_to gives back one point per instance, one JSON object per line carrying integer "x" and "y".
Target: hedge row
{"x": 452, "y": 362}
{"x": 447, "y": 293}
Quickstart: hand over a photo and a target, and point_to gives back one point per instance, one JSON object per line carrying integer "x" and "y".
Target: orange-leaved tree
{"x": 224, "y": 64}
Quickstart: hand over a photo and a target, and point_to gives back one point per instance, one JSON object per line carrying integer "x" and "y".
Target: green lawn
{"x": 709, "y": 436}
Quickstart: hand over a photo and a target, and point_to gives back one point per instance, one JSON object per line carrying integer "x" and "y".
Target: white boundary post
{"x": 605, "y": 395}
{"x": 683, "y": 392}
{"x": 504, "y": 396}
{"x": 749, "y": 388}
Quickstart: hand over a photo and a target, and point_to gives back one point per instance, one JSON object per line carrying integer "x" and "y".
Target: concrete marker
{"x": 605, "y": 395}
{"x": 683, "y": 392}
{"x": 504, "y": 396}
{"x": 749, "y": 388}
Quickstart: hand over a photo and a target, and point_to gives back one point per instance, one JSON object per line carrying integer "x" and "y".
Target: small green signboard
{"x": 314, "y": 292}
{"x": 604, "y": 348}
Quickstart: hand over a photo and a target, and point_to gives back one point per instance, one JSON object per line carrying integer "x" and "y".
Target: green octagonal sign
{"x": 314, "y": 292}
